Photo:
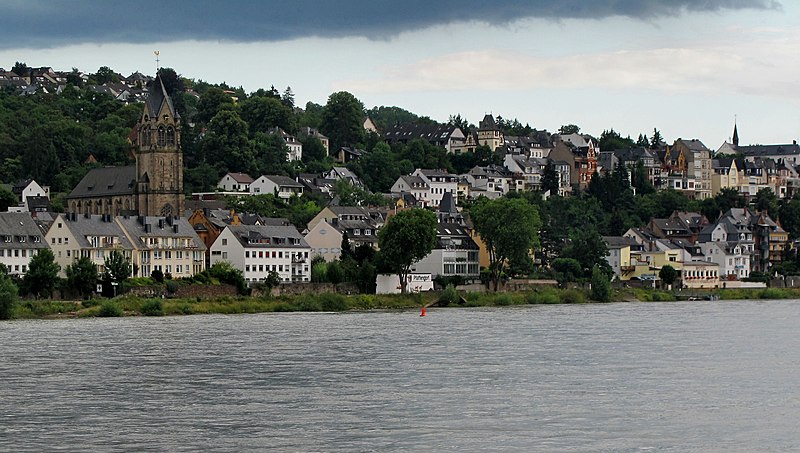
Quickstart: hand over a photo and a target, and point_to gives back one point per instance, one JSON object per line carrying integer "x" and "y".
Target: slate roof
{"x": 614, "y": 242}
{"x": 248, "y": 235}
{"x": 108, "y": 181}
{"x": 19, "y": 225}
{"x": 404, "y": 132}
{"x": 694, "y": 145}
{"x": 283, "y": 181}
{"x": 82, "y": 226}
{"x": 770, "y": 150}
{"x": 448, "y": 235}
{"x": 157, "y": 95}
{"x": 159, "y": 227}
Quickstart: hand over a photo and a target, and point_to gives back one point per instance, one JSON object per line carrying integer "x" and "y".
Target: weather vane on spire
{"x": 157, "y": 53}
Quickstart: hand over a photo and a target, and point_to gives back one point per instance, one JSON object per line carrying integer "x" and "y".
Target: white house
{"x": 455, "y": 253}
{"x": 26, "y": 190}
{"x": 414, "y": 185}
{"x": 72, "y": 236}
{"x": 731, "y": 257}
{"x": 235, "y": 182}
{"x": 283, "y": 186}
{"x": 294, "y": 146}
{"x": 439, "y": 181}
{"x": 258, "y": 249}
{"x": 20, "y": 240}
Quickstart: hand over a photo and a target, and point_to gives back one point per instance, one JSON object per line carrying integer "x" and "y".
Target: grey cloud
{"x": 49, "y": 23}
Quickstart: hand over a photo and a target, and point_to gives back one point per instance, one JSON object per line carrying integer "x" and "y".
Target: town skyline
{"x": 685, "y": 71}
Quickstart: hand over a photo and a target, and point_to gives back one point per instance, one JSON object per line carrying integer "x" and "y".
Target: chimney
{"x": 148, "y": 228}
{"x": 161, "y": 223}
{"x": 175, "y": 228}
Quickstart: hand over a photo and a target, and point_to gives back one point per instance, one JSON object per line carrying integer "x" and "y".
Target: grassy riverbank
{"x": 138, "y": 306}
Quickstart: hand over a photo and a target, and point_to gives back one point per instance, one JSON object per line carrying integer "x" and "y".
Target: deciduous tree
{"x": 42, "y": 275}
{"x": 406, "y": 238}
{"x": 508, "y": 227}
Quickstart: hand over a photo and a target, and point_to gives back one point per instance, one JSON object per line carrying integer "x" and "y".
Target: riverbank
{"x": 328, "y": 302}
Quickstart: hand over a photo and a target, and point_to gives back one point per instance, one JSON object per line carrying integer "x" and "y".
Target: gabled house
{"x": 347, "y": 153}
{"x": 492, "y": 179}
{"x": 417, "y": 187}
{"x": 439, "y": 182}
{"x": 725, "y": 175}
{"x": 294, "y": 146}
{"x": 167, "y": 244}
{"x": 345, "y": 174}
{"x": 327, "y": 229}
{"x": 698, "y": 165}
{"x": 731, "y": 257}
{"x": 72, "y": 236}
{"x": 283, "y": 186}
{"x": 620, "y": 257}
{"x": 257, "y": 250}
{"x": 235, "y": 182}
{"x": 20, "y": 240}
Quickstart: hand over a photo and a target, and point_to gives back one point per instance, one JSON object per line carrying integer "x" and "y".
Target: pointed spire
{"x": 735, "y": 134}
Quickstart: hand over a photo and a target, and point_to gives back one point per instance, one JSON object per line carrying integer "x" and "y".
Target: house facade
{"x": 20, "y": 240}
{"x": 257, "y": 250}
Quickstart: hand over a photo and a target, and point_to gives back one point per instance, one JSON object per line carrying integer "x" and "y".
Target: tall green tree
{"x": 343, "y": 120}
{"x": 42, "y": 275}
{"x": 509, "y": 229}
{"x": 226, "y": 142}
{"x": 82, "y": 276}
{"x": 406, "y": 238}
{"x": 8, "y": 296}
{"x": 211, "y": 103}
{"x": 264, "y": 113}
{"x": 118, "y": 267}
{"x": 601, "y": 286}
{"x": 550, "y": 180}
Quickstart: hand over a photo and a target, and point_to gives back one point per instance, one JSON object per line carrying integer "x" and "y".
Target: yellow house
{"x": 726, "y": 176}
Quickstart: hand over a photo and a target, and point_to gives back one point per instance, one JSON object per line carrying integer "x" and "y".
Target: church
{"x": 151, "y": 187}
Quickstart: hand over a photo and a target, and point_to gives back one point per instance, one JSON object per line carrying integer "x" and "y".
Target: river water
{"x": 662, "y": 377}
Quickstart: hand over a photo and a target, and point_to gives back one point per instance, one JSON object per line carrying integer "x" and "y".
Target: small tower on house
{"x": 159, "y": 159}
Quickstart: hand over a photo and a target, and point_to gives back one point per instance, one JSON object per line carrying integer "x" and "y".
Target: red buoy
{"x": 423, "y": 312}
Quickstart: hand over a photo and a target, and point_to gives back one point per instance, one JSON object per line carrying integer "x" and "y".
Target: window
{"x": 247, "y": 254}
{"x": 224, "y": 241}
{"x": 224, "y": 255}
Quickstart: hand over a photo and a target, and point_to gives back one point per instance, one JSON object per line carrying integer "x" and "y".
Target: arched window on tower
{"x": 171, "y": 136}
{"x": 162, "y": 136}
{"x": 146, "y": 135}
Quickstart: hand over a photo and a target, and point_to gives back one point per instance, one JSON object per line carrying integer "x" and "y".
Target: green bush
{"x": 153, "y": 307}
{"x": 333, "y": 302}
{"x": 8, "y": 296}
{"x": 503, "y": 299}
{"x": 573, "y": 296}
{"x": 307, "y": 302}
{"x": 543, "y": 296}
{"x": 449, "y": 296}
{"x": 772, "y": 293}
{"x": 110, "y": 309}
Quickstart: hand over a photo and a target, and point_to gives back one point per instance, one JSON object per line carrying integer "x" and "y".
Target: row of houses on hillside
{"x": 708, "y": 254}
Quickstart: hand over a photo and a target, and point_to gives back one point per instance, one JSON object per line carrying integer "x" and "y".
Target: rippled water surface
{"x": 675, "y": 377}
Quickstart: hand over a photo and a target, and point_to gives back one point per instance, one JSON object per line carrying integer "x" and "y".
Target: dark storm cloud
{"x": 52, "y": 23}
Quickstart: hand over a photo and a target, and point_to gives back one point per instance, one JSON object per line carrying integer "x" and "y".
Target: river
{"x": 662, "y": 377}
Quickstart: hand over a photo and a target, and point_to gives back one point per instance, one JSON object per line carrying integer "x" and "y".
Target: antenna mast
{"x": 157, "y": 53}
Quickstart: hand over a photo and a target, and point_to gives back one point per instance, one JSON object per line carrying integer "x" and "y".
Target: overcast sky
{"x": 686, "y": 67}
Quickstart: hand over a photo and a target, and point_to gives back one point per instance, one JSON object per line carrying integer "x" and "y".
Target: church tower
{"x": 159, "y": 159}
